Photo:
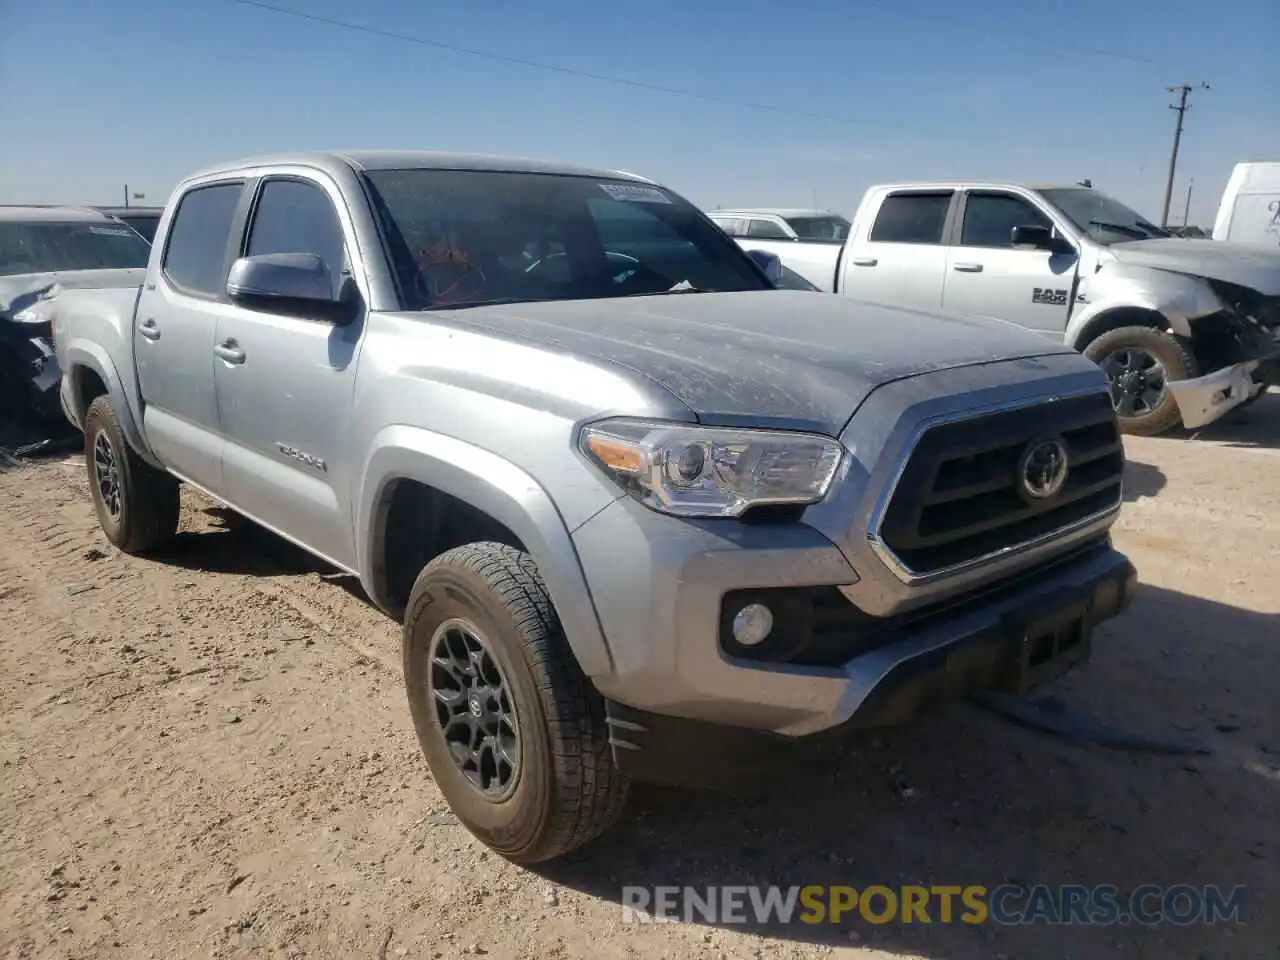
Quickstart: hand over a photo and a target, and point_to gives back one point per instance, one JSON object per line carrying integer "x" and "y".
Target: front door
{"x": 177, "y": 317}
{"x": 987, "y": 277}
{"x": 285, "y": 382}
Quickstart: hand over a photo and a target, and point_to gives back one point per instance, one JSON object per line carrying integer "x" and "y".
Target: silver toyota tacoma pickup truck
{"x": 643, "y": 514}
{"x": 1186, "y": 330}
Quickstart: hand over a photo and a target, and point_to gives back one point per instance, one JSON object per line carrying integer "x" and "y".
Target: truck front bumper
{"x": 1205, "y": 399}
{"x": 666, "y": 591}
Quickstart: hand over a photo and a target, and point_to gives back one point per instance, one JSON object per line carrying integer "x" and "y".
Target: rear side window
{"x": 297, "y": 217}
{"x": 911, "y": 218}
{"x": 733, "y": 226}
{"x": 195, "y": 255}
{"x": 989, "y": 219}
{"x": 767, "y": 230}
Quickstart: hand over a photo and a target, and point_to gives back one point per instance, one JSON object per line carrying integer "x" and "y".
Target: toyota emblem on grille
{"x": 1043, "y": 468}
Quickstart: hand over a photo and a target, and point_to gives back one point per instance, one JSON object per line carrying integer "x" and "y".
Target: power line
{"x": 1183, "y": 90}
{"x": 598, "y": 77}
{"x": 1056, "y": 40}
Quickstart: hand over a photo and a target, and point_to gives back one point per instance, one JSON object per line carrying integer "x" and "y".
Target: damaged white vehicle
{"x": 1186, "y": 330}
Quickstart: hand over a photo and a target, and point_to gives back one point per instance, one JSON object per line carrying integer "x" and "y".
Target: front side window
{"x": 1104, "y": 219}
{"x": 297, "y": 217}
{"x": 46, "y": 247}
{"x": 195, "y": 256}
{"x": 471, "y": 237}
{"x": 911, "y": 218}
{"x": 989, "y": 219}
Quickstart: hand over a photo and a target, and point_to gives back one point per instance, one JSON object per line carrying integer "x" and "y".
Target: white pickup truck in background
{"x": 1186, "y": 330}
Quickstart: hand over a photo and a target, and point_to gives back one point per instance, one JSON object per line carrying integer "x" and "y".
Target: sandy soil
{"x": 209, "y": 754}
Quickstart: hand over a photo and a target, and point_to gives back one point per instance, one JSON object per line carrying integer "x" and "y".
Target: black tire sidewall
{"x": 99, "y": 420}
{"x": 1163, "y": 347}
{"x": 515, "y": 823}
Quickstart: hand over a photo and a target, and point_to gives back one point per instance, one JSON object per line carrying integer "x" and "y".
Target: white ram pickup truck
{"x": 1186, "y": 330}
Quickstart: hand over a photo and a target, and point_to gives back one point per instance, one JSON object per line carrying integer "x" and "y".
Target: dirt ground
{"x": 209, "y": 754}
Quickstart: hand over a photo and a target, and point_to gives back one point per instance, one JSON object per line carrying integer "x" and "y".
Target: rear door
{"x": 285, "y": 394}
{"x": 177, "y": 316}
{"x": 899, "y": 258}
{"x": 987, "y": 277}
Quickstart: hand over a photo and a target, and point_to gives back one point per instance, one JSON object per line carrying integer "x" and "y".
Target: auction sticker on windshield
{"x": 634, "y": 193}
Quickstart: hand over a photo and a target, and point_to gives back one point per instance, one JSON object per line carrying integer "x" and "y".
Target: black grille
{"x": 958, "y": 498}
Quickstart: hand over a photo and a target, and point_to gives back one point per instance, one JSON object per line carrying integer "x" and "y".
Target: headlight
{"x": 693, "y": 471}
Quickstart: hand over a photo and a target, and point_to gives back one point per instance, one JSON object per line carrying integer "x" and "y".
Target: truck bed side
{"x": 93, "y": 337}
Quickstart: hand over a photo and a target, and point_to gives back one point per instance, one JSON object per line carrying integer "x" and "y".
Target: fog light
{"x": 751, "y": 624}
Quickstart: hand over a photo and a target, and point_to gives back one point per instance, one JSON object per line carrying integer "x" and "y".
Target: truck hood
{"x": 778, "y": 358}
{"x": 22, "y": 290}
{"x": 1254, "y": 267}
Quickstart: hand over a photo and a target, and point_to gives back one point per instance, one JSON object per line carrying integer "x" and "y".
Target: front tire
{"x": 1140, "y": 362}
{"x": 511, "y": 728}
{"x": 137, "y": 505}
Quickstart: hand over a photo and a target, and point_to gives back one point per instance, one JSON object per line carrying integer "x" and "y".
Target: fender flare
{"x": 500, "y": 489}
{"x": 87, "y": 353}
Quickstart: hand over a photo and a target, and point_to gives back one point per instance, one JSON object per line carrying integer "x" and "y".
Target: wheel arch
{"x": 502, "y": 498}
{"x": 1115, "y": 318}
{"x": 91, "y": 373}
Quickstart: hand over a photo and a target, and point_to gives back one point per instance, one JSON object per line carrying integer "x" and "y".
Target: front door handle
{"x": 967, "y": 267}
{"x": 865, "y": 261}
{"x": 149, "y": 329}
{"x": 229, "y": 350}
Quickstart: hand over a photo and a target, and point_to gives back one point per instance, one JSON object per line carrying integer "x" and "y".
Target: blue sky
{"x": 94, "y": 95}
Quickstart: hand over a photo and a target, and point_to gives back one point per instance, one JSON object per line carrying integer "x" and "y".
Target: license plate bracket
{"x": 1045, "y": 647}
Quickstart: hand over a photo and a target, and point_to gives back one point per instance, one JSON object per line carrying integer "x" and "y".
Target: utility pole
{"x": 1186, "y": 211}
{"x": 126, "y": 194}
{"x": 1183, "y": 90}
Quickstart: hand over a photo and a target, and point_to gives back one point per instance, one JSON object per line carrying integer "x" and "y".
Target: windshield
{"x": 47, "y": 247}
{"x": 471, "y": 237}
{"x": 1105, "y": 220}
{"x": 834, "y": 229}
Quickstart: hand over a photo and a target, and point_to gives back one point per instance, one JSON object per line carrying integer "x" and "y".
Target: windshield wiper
{"x": 466, "y": 304}
{"x": 1137, "y": 231}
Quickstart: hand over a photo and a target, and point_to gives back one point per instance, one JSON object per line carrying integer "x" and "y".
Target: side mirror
{"x": 293, "y": 283}
{"x": 1038, "y": 238}
{"x": 770, "y": 263}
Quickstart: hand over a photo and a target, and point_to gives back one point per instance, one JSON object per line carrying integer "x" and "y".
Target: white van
{"x": 1250, "y": 208}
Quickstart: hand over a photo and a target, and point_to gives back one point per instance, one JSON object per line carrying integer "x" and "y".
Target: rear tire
{"x": 1139, "y": 363}
{"x": 137, "y": 505}
{"x": 511, "y": 728}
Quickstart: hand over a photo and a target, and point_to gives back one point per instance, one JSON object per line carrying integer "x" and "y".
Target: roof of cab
{"x": 48, "y": 213}
{"x": 411, "y": 160}
{"x": 976, "y": 185}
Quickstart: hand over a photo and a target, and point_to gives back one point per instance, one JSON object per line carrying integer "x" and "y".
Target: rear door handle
{"x": 149, "y": 329}
{"x": 865, "y": 261}
{"x": 967, "y": 267}
{"x": 229, "y": 351}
